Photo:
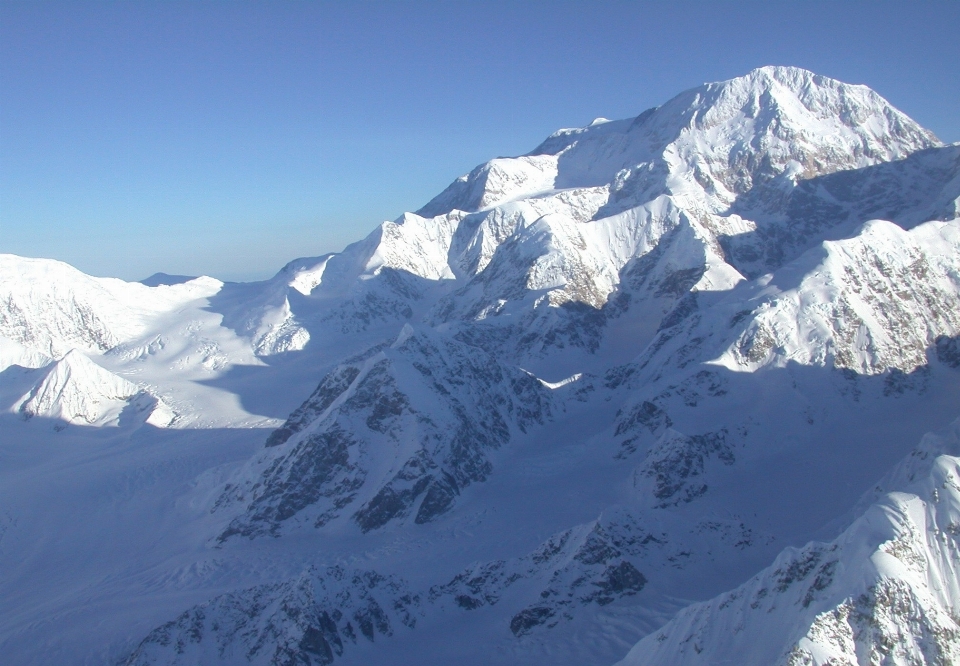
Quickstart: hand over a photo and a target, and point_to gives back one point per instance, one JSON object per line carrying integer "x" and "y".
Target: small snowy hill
{"x": 577, "y": 392}
{"x": 164, "y": 338}
{"x": 77, "y": 390}
{"x": 13, "y": 353}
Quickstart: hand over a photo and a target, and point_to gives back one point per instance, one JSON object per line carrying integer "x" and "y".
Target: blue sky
{"x": 227, "y": 138}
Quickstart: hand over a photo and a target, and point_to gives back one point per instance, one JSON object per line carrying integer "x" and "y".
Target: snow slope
{"x": 885, "y": 591}
{"x": 396, "y": 433}
{"x": 704, "y": 143}
{"x": 53, "y": 307}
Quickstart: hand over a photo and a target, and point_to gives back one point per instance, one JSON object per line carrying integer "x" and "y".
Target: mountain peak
{"x": 77, "y": 390}
{"x": 715, "y": 141}
{"x": 784, "y": 74}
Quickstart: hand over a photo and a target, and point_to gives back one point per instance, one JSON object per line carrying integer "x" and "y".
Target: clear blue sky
{"x": 228, "y": 137}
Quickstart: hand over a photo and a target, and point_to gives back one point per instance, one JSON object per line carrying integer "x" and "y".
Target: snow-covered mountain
{"x": 75, "y": 389}
{"x": 886, "y": 590}
{"x": 395, "y": 433}
{"x": 627, "y": 396}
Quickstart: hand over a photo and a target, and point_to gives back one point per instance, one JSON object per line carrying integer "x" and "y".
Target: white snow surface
{"x": 13, "y": 353}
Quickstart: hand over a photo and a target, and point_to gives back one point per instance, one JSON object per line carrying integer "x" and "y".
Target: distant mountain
{"x": 160, "y": 279}
{"x": 625, "y": 398}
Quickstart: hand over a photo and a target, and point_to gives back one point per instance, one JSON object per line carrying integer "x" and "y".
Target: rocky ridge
{"x": 886, "y": 590}
{"x": 396, "y": 433}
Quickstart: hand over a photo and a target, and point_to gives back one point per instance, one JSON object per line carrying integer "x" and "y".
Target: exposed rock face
{"x": 308, "y": 621}
{"x": 832, "y": 206}
{"x": 396, "y": 433}
{"x": 870, "y": 303}
{"x": 588, "y": 565}
{"x": 675, "y": 463}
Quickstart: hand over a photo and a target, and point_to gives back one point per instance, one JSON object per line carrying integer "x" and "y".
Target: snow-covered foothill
{"x": 14, "y": 353}
{"x": 77, "y": 390}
